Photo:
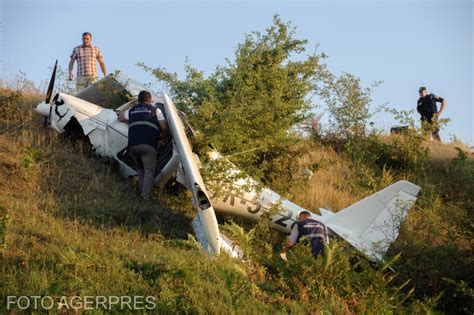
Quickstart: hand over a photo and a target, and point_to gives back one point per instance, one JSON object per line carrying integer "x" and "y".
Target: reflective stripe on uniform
{"x": 144, "y": 123}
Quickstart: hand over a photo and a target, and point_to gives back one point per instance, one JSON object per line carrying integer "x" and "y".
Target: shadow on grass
{"x": 88, "y": 188}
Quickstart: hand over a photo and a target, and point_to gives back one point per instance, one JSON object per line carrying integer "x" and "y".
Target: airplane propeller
{"x": 49, "y": 93}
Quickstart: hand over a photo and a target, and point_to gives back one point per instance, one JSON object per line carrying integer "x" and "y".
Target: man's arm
{"x": 288, "y": 245}
{"x": 291, "y": 239}
{"x": 290, "y": 242}
{"x": 71, "y": 67}
{"x": 100, "y": 59}
{"x": 102, "y": 66}
{"x": 443, "y": 104}
{"x": 164, "y": 130}
{"x": 163, "y": 125}
{"x": 326, "y": 234}
{"x": 122, "y": 117}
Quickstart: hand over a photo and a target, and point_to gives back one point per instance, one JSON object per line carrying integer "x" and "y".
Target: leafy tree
{"x": 247, "y": 108}
{"x": 348, "y": 104}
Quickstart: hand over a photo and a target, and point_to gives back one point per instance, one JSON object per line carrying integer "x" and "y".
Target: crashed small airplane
{"x": 369, "y": 225}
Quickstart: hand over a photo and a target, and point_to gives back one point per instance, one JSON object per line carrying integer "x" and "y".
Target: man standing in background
{"x": 86, "y": 56}
{"x": 426, "y": 107}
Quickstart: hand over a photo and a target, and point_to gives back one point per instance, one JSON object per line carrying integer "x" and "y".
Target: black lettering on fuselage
{"x": 253, "y": 206}
{"x": 230, "y": 194}
{"x": 285, "y": 217}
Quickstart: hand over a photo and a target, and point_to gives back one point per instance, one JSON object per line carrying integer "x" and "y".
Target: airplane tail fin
{"x": 373, "y": 223}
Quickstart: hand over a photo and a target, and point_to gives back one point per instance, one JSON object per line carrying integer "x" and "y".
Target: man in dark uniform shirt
{"x": 146, "y": 124}
{"x": 315, "y": 231}
{"x": 426, "y": 107}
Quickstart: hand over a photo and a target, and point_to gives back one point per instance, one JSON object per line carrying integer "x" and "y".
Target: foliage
{"x": 460, "y": 184}
{"x": 61, "y": 83}
{"x": 403, "y": 153}
{"x": 4, "y": 222}
{"x": 9, "y": 109}
{"x": 436, "y": 252}
{"x": 13, "y": 100}
{"x": 439, "y": 229}
{"x": 348, "y": 104}
{"x": 247, "y": 108}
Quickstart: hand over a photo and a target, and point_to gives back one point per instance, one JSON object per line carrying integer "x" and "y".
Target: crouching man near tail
{"x": 314, "y": 231}
{"x": 145, "y": 125}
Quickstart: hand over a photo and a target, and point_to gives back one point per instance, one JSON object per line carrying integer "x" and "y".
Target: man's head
{"x": 423, "y": 91}
{"x": 144, "y": 97}
{"x": 86, "y": 38}
{"x": 304, "y": 215}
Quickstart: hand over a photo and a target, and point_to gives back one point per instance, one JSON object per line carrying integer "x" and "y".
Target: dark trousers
{"x": 431, "y": 123}
{"x": 317, "y": 246}
{"x": 144, "y": 156}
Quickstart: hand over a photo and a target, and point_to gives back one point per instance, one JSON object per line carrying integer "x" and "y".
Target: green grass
{"x": 71, "y": 226}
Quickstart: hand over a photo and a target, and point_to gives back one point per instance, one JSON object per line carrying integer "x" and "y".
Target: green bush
{"x": 403, "y": 153}
{"x": 348, "y": 103}
{"x": 459, "y": 181}
{"x": 247, "y": 108}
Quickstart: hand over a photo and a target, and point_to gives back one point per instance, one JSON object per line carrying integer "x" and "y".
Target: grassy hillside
{"x": 71, "y": 226}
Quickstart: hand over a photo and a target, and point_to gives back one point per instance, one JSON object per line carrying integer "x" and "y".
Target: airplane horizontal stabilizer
{"x": 373, "y": 223}
{"x": 326, "y": 212}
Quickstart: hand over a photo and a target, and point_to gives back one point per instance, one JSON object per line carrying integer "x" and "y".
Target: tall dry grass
{"x": 329, "y": 185}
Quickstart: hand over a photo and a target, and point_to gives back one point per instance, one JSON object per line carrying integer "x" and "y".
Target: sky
{"x": 406, "y": 44}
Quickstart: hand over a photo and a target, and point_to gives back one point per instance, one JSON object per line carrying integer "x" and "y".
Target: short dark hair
{"x": 421, "y": 89}
{"x": 144, "y": 97}
{"x": 86, "y": 33}
{"x": 304, "y": 213}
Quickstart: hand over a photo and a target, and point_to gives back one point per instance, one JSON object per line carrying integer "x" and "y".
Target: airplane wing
{"x": 193, "y": 180}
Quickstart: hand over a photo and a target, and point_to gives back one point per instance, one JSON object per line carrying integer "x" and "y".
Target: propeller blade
{"x": 50, "y": 92}
{"x": 51, "y": 83}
